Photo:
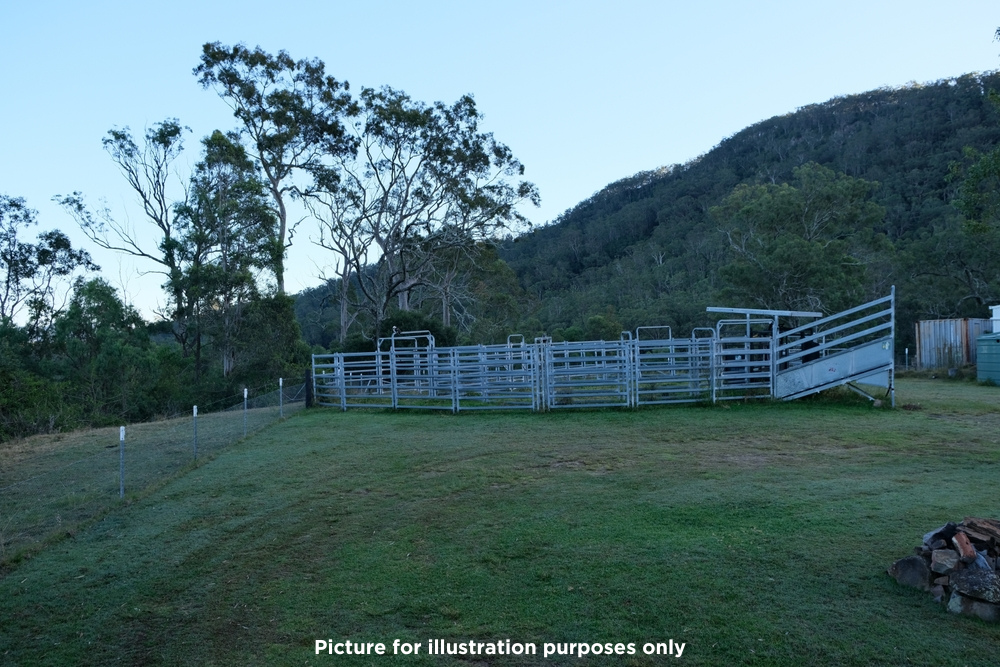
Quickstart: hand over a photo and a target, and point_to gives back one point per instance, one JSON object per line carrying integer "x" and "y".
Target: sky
{"x": 584, "y": 93}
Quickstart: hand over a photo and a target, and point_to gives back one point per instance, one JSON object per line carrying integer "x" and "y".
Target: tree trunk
{"x": 345, "y": 321}
{"x": 446, "y": 306}
{"x": 278, "y": 258}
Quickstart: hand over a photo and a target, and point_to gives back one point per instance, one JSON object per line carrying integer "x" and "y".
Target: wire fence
{"x": 50, "y": 484}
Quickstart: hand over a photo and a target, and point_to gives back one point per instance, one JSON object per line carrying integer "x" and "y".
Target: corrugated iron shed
{"x": 949, "y": 343}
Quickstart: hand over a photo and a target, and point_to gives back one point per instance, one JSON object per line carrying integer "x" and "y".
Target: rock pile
{"x": 958, "y": 564}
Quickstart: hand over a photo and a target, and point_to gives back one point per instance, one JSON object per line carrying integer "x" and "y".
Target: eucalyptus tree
{"x": 226, "y": 239}
{"x": 809, "y": 245}
{"x": 30, "y": 273}
{"x": 956, "y": 261}
{"x": 148, "y": 169}
{"x": 289, "y": 113}
{"x": 342, "y": 231}
{"x": 424, "y": 183}
{"x": 473, "y": 290}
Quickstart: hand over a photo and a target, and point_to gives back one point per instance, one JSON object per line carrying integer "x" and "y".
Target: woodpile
{"x": 960, "y": 565}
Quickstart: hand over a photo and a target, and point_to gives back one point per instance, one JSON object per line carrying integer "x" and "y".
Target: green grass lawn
{"x": 754, "y": 534}
{"x": 50, "y": 484}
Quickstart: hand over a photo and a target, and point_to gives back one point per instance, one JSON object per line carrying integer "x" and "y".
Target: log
{"x": 982, "y": 530}
{"x": 965, "y": 549}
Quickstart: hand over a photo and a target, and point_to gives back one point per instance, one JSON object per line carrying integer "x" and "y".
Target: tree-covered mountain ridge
{"x": 652, "y": 248}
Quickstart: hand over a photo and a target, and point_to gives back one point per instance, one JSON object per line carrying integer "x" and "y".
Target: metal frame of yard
{"x": 752, "y": 353}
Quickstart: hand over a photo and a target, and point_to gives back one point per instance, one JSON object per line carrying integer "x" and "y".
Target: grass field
{"x": 754, "y": 534}
{"x": 50, "y": 485}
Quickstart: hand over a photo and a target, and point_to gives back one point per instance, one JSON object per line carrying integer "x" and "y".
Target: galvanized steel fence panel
{"x": 742, "y": 368}
{"x": 490, "y": 377}
{"x": 591, "y": 374}
{"x": 422, "y": 378}
{"x": 672, "y": 371}
{"x": 856, "y": 326}
{"x": 353, "y": 380}
{"x": 737, "y": 359}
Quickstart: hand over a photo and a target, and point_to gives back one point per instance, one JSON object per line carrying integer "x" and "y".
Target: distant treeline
{"x": 819, "y": 209}
{"x": 658, "y": 247}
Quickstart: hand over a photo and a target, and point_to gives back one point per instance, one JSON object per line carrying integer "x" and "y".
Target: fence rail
{"x": 49, "y": 484}
{"x": 750, "y": 356}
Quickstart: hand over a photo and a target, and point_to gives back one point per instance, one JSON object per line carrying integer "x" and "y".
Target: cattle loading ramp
{"x": 750, "y": 353}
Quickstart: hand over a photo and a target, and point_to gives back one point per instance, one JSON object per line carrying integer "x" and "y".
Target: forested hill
{"x": 649, "y": 249}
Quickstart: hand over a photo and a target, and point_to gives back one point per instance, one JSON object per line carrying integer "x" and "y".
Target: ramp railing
{"x": 855, "y": 345}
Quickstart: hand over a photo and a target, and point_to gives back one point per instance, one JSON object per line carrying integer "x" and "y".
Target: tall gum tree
{"x": 289, "y": 113}
{"x": 30, "y": 272}
{"x": 148, "y": 169}
{"x": 424, "y": 183}
{"x": 227, "y": 239}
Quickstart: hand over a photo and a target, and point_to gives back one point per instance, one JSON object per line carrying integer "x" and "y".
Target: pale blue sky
{"x": 584, "y": 93}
